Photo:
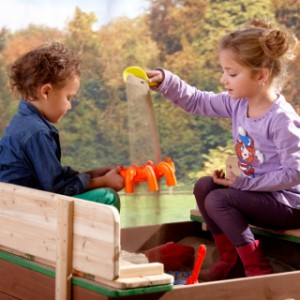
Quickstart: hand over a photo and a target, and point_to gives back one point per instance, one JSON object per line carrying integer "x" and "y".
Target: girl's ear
{"x": 264, "y": 76}
{"x": 45, "y": 89}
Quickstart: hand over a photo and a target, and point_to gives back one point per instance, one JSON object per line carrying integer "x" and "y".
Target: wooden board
{"x": 294, "y": 234}
{"x": 137, "y": 282}
{"x": 74, "y": 235}
{"x": 232, "y": 166}
{"x": 280, "y": 286}
{"x": 96, "y": 241}
{"x": 29, "y": 222}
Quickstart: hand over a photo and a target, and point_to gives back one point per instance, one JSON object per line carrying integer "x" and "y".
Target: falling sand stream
{"x": 144, "y": 143}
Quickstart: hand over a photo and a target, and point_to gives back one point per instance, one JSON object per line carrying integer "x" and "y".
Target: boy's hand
{"x": 100, "y": 171}
{"x": 114, "y": 180}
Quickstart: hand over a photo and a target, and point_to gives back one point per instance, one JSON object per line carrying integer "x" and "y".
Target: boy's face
{"x": 59, "y": 100}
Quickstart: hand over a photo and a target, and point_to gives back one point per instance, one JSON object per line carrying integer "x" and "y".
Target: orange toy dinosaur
{"x": 149, "y": 172}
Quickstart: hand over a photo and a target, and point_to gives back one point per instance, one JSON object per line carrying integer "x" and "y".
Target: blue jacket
{"x": 30, "y": 155}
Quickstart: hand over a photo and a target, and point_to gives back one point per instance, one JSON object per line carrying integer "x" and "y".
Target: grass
{"x": 150, "y": 208}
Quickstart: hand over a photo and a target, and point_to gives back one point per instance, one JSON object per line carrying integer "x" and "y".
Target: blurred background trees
{"x": 179, "y": 35}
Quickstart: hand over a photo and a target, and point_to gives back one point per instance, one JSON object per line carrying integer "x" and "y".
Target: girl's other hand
{"x": 155, "y": 76}
{"x": 219, "y": 178}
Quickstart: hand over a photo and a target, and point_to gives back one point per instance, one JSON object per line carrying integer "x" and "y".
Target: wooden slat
{"x": 28, "y": 221}
{"x": 96, "y": 244}
{"x": 285, "y": 234}
{"x": 232, "y": 165}
{"x": 137, "y": 270}
{"x": 135, "y": 282}
{"x": 64, "y": 250}
{"x": 283, "y": 286}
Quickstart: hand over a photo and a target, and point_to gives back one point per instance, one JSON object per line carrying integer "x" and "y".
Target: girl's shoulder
{"x": 283, "y": 109}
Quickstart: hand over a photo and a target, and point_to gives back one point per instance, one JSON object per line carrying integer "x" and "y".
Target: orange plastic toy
{"x": 149, "y": 172}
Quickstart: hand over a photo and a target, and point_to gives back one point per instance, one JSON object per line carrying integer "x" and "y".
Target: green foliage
{"x": 180, "y": 35}
{"x": 215, "y": 159}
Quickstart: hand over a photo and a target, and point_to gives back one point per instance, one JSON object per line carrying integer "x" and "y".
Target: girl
{"x": 47, "y": 79}
{"x": 266, "y": 133}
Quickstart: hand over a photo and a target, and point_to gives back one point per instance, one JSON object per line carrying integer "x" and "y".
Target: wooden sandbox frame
{"x": 73, "y": 236}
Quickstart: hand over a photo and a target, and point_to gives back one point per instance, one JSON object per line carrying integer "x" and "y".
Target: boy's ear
{"x": 44, "y": 90}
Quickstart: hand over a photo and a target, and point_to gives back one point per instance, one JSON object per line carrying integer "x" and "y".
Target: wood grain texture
{"x": 64, "y": 263}
{"x": 74, "y": 235}
{"x": 30, "y": 220}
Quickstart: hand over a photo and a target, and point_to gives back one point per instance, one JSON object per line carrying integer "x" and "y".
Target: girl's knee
{"x": 204, "y": 183}
{"x": 215, "y": 201}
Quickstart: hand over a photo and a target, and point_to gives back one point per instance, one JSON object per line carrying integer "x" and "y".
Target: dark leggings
{"x": 230, "y": 211}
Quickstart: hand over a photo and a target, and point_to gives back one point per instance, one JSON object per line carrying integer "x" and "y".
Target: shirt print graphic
{"x": 248, "y": 156}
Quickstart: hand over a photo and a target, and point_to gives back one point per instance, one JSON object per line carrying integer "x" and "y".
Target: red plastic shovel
{"x": 197, "y": 266}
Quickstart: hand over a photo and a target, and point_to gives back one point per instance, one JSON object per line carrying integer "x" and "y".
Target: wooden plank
{"x": 24, "y": 283}
{"x": 28, "y": 221}
{"x": 232, "y": 165}
{"x": 289, "y": 234}
{"x": 29, "y": 218}
{"x": 28, "y": 204}
{"x": 64, "y": 250}
{"x": 282, "y": 286}
{"x": 28, "y": 238}
{"x": 96, "y": 240}
{"x": 137, "y": 282}
{"x": 139, "y": 270}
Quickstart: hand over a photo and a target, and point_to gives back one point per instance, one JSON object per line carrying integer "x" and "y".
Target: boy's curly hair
{"x": 49, "y": 63}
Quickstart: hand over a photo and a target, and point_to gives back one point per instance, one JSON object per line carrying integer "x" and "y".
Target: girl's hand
{"x": 155, "y": 76}
{"x": 219, "y": 178}
{"x": 114, "y": 180}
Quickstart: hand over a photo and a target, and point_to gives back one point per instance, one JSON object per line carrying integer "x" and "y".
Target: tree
{"x": 288, "y": 14}
{"x": 27, "y": 39}
{"x": 174, "y": 23}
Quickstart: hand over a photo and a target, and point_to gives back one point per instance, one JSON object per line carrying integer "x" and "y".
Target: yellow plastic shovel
{"x": 137, "y": 72}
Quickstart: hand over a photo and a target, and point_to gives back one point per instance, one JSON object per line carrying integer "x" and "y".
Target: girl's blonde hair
{"x": 259, "y": 45}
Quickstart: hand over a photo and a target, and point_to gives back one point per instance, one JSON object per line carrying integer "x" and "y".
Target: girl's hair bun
{"x": 275, "y": 43}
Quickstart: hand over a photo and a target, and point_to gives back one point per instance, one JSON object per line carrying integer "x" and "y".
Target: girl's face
{"x": 58, "y": 100}
{"x": 237, "y": 79}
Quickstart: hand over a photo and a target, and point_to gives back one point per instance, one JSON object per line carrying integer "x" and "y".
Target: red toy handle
{"x": 198, "y": 264}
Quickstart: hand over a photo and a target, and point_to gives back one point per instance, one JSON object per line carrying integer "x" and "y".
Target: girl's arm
{"x": 189, "y": 98}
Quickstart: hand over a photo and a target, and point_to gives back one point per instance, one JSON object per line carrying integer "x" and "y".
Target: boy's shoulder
{"x": 25, "y": 125}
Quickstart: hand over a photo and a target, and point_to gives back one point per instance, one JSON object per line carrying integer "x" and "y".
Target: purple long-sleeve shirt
{"x": 267, "y": 147}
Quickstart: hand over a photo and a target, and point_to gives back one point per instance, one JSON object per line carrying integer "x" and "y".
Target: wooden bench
{"x": 292, "y": 235}
{"x": 76, "y": 238}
